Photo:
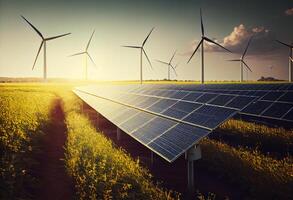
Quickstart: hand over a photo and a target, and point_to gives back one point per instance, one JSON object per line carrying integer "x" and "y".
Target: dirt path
{"x": 55, "y": 184}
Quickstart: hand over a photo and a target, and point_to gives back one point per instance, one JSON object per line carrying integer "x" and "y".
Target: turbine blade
{"x": 147, "y": 36}
{"x": 246, "y": 65}
{"x": 88, "y": 44}
{"x": 247, "y": 47}
{"x": 173, "y": 56}
{"x": 77, "y": 54}
{"x": 91, "y": 59}
{"x": 201, "y": 23}
{"x": 37, "y": 54}
{"x": 162, "y": 62}
{"x": 235, "y": 60}
{"x": 174, "y": 69}
{"x": 288, "y": 45}
{"x": 147, "y": 58}
{"x": 135, "y": 47}
{"x": 58, "y": 36}
{"x": 39, "y": 33}
{"x": 195, "y": 51}
{"x": 211, "y": 41}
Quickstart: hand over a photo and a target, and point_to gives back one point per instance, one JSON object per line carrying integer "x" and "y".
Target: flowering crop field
{"x": 253, "y": 157}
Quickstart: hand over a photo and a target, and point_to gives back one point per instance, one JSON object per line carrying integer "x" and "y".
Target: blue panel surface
{"x": 181, "y": 109}
{"x": 209, "y": 116}
{"x": 153, "y": 129}
{"x": 240, "y": 102}
{"x": 257, "y": 107}
{"x": 161, "y": 105}
{"x": 177, "y": 140}
{"x": 277, "y": 110}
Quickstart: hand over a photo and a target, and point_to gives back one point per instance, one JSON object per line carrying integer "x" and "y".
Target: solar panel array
{"x": 274, "y": 101}
{"x": 167, "y": 120}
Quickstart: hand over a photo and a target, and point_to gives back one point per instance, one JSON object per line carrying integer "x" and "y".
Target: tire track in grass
{"x": 55, "y": 183}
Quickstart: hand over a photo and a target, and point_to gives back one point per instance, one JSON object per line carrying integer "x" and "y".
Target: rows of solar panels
{"x": 167, "y": 120}
{"x": 274, "y": 101}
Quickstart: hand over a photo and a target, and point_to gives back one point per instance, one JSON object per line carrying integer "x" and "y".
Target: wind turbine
{"x": 201, "y": 43}
{"x": 242, "y": 62}
{"x": 290, "y": 58}
{"x": 43, "y": 43}
{"x": 169, "y": 64}
{"x": 86, "y": 53}
{"x": 142, "y": 51}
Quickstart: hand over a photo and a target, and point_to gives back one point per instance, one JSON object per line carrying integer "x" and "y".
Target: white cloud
{"x": 236, "y": 41}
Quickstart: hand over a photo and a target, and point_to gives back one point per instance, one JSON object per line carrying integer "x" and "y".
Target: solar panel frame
{"x": 162, "y": 93}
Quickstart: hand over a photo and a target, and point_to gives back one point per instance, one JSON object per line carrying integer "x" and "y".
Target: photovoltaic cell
{"x": 153, "y": 129}
{"x": 192, "y": 96}
{"x": 136, "y": 121}
{"x": 272, "y": 96}
{"x": 175, "y": 141}
{"x": 257, "y": 107}
{"x": 209, "y": 116}
{"x": 289, "y": 115}
{"x": 288, "y": 97}
{"x": 205, "y": 98}
{"x": 221, "y": 100}
{"x": 161, "y": 105}
{"x": 181, "y": 109}
{"x": 240, "y": 102}
{"x": 277, "y": 110}
{"x": 163, "y": 118}
{"x": 124, "y": 116}
{"x": 179, "y": 95}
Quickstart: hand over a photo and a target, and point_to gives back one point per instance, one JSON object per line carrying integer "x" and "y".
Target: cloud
{"x": 236, "y": 41}
{"x": 289, "y": 12}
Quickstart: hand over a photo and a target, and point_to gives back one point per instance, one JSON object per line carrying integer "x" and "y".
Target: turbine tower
{"x": 289, "y": 58}
{"x": 43, "y": 44}
{"x": 201, "y": 43}
{"x": 142, "y": 51}
{"x": 242, "y": 62}
{"x": 169, "y": 64}
{"x": 86, "y": 55}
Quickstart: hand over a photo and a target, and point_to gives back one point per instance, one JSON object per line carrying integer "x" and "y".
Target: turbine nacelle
{"x": 86, "y": 50}
{"x": 241, "y": 59}
{"x": 169, "y": 64}
{"x": 142, "y": 51}
{"x": 204, "y": 38}
{"x": 43, "y": 43}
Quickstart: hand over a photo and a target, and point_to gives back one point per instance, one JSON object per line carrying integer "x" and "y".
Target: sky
{"x": 127, "y": 22}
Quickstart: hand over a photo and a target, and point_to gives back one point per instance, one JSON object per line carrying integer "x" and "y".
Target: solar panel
{"x": 277, "y": 110}
{"x": 265, "y": 95}
{"x": 209, "y": 116}
{"x": 169, "y": 119}
{"x": 175, "y": 141}
{"x": 272, "y": 96}
{"x": 222, "y": 99}
{"x": 181, "y": 109}
{"x": 153, "y": 129}
{"x": 257, "y": 107}
{"x": 192, "y": 96}
{"x": 288, "y": 97}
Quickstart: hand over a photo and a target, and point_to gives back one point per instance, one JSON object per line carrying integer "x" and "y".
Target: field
{"x": 51, "y": 147}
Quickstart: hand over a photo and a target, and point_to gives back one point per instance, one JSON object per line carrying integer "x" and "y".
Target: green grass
{"x": 269, "y": 140}
{"x": 258, "y": 175}
{"x": 98, "y": 168}
{"x": 101, "y": 170}
{"x": 22, "y": 117}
